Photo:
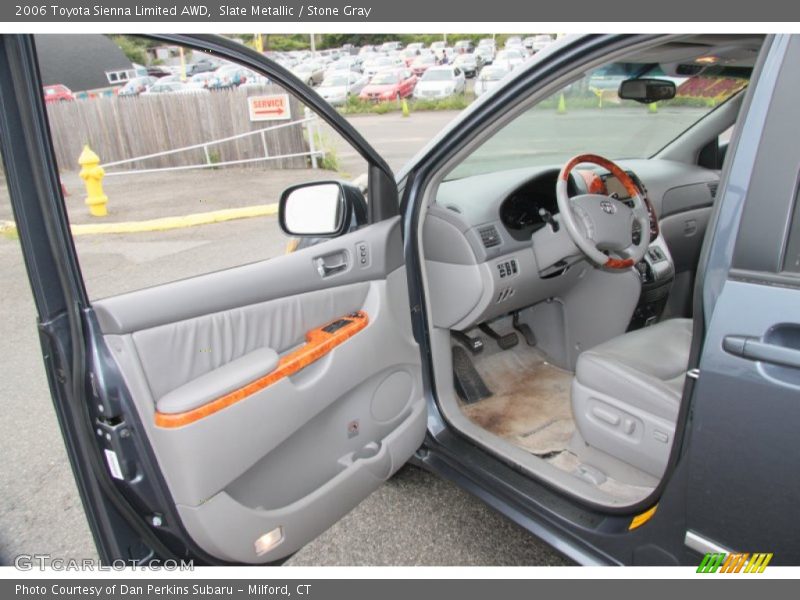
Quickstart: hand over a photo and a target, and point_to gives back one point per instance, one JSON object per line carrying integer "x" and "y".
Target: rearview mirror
{"x": 647, "y": 90}
{"x": 316, "y": 209}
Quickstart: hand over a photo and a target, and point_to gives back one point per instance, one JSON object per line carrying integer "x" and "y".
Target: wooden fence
{"x": 123, "y": 128}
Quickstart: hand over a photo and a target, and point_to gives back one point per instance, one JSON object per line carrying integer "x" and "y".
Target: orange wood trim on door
{"x": 318, "y": 343}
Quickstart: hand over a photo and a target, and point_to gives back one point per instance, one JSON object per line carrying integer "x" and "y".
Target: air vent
{"x": 712, "y": 187}
{"x": 489, "y": 236}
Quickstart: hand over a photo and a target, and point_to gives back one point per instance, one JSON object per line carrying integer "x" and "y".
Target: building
{"x": 88, "y": 64}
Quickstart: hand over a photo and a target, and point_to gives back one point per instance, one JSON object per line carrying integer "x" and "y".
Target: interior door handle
{"x": 752, "y": 348}
{"x": 326, "y": 270}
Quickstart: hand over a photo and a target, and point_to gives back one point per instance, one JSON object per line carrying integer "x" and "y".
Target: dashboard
{"x": 481, "y": 224}
{"x": 528, "y": 208}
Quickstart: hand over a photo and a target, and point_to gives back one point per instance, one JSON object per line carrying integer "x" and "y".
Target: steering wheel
{"x": 602, "y": 226}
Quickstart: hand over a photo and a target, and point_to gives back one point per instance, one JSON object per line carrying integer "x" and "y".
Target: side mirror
{"x": 647, "y": 90}
{"x": 316, "y": 209}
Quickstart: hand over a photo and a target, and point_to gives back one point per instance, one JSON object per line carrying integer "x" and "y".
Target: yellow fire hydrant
{"x": 92, "y": 174}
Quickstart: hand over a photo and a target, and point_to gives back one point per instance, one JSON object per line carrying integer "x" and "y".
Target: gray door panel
{"x": 743, "y": 483}
{"x": 302, "y": 451}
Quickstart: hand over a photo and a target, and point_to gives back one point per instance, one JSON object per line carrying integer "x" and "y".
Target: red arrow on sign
{"x": 270, "y": 111}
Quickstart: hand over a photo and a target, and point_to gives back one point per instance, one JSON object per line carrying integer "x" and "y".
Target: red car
{"x": 57, "y": 93}
{"x": 389, "y": 85}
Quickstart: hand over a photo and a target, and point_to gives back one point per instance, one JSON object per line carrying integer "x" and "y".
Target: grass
{"x": 356, "y": 106}
{"x": 330, "y": 160}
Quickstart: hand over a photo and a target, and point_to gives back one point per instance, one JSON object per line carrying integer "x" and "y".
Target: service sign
{"x": 274, "y": 107}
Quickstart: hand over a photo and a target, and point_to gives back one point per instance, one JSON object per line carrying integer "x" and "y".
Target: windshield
{"x": 437, "y": 75}
{"x": 588, "y": 116}
{"x": 384, "y": 78}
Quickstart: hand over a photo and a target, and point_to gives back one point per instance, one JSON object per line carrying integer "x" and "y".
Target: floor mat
{"x": 530, "y": 408}
{"x": 530, "y": 405}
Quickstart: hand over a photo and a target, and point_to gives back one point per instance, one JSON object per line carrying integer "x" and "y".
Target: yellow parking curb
{"x": 165, "y": 223}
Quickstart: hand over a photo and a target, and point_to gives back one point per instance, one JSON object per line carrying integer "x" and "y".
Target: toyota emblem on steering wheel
{"x": 608, "y": 207}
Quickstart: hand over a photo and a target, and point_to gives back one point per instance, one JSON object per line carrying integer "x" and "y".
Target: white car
{"x": 383, "y": 63}
{"x": 336, "y": 87}
{"x": 342, "y": 66}
{"x": 175, "y": 87}
{"x": 489, "y": 77}
{"x": 441, "y": 82}
{"x": 512, "y": 57}
{"x": 540, "y": 42}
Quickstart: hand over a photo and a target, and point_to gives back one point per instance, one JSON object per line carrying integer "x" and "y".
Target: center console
{"x": 656, "y": 272}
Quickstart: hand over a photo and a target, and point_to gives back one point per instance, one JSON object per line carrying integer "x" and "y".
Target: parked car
{"x": 409, "y": 55}
{"x": 470, "y": 64}
{"x": 422, "y": 63}
{"x": 137, "y": 85}
{"x": 343, "y": 65}
{"x": 391, "y": 46}
{"x": 646, "y": 304}
{"x": 175, "y": 87}
{"x": 463, "y": 46}
{"x": 390, "y": 84}
{"x": 514, "y": 42}
{"x": 204, "y": 79}
{"x": 512, "y": 57}
{"x": 255, "y": 81}
{"x": 338, "y": 86}
{"x": 310, "y": 72}
{"x": 540, "y": 42}
{"x": 381, "y": 63}
{"x": 486, "y": 53}
{"x": 158, "y": 71}
{"x": 228, "y": 76}
{"x": 416, "y": 46}
{"x": 441, "y": 82}
{"x": 489, "y": 76}
{"x": 203, "y": 65}
{"x": 57, "y": 93}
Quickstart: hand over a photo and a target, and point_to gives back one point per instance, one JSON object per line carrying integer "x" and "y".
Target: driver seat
{"x": 626, "y": 393}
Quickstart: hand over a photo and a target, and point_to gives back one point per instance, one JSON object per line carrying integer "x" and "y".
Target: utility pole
{"x": 313, "y": 45}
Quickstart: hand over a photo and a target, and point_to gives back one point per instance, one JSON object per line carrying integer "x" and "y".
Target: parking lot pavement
{"x": 413, "y": 519}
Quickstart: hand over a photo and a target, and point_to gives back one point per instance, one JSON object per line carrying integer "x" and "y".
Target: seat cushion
{"x": 644, "y": 368}
{"x": 626, "y": 393}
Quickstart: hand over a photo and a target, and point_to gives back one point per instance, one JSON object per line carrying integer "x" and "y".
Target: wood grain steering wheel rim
{"x": 639, "y": 213}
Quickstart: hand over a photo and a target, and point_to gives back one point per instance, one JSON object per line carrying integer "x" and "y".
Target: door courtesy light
{"x": 268, "y": 541}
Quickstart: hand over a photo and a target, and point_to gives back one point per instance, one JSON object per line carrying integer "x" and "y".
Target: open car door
{"x": 233, "y": 416}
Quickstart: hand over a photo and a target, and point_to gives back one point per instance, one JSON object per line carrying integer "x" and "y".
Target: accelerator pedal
{"x": 505, "y": 342}
{"x": 469, "y": 383}
{"x": 524, "y": 329}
